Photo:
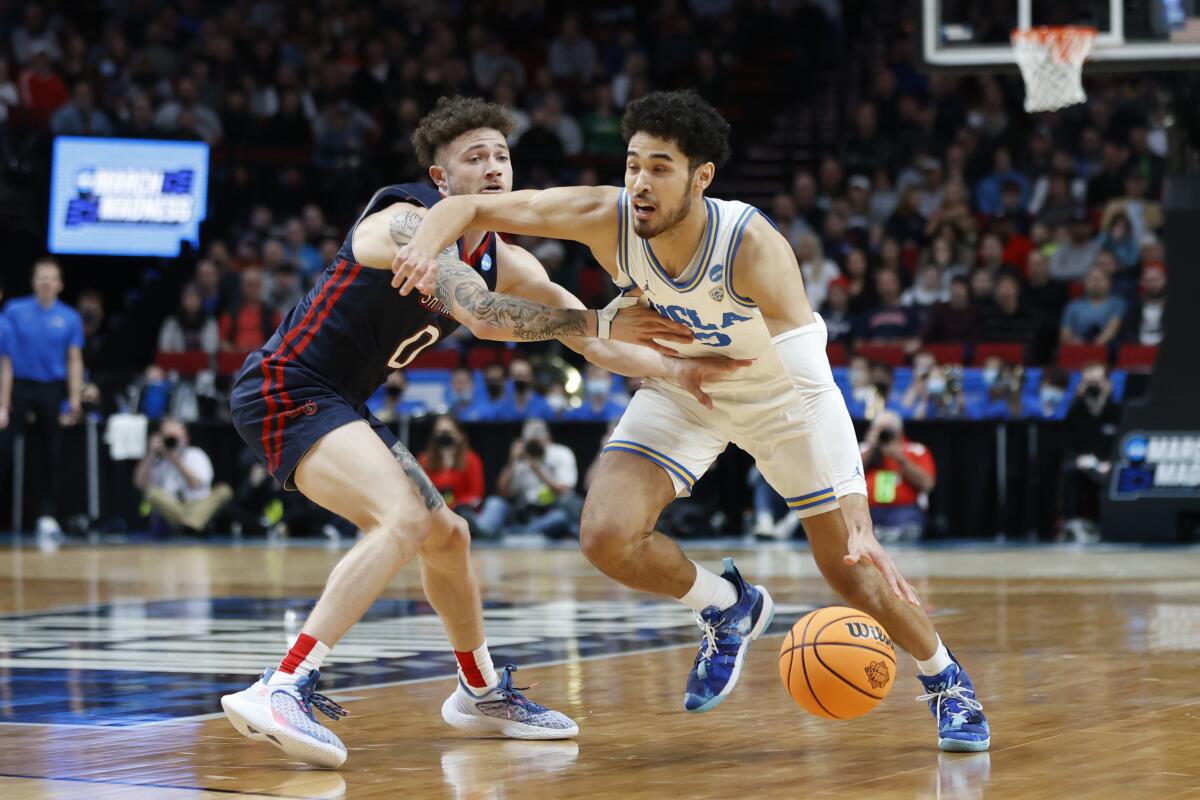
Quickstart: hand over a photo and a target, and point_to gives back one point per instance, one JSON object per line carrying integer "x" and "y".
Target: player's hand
{"x": 72, "y": 415}
{"x": 691, "y": 373}
{"x": 641, "y": 325}
{"x": 413, "y": 269}
{"x": 863, "y": 546}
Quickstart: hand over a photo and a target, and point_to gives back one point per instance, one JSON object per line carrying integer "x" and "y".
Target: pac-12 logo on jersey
{"x": 706, "y": 332}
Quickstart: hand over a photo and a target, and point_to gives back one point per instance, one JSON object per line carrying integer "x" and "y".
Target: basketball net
{"x": 1051, "y": 61}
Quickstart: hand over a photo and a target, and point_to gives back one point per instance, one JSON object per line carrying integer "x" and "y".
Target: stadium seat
{"x": 1008, "y": 352}
{"x": 890, "y": 354}
{"x": 436, "y": 359}
{"x": 837, "y": 354}
{"x": 945, "y": 352}
{"x": 1137, "y": 357}
{"x": 480, "y": 357}
{"x": 1077, "y": 356}
{"x": 229, "y": 363}
{"x": 185, "y": 364}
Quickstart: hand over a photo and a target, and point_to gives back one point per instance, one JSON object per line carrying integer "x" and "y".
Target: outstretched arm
{"x": 766, "y": 271}
{"x": 522, "y": 275}
{"x": 490, "y": 315}
{"x": 586, "y": 214}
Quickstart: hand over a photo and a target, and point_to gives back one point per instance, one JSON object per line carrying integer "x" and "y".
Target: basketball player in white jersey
{"x": 722, "y": 269}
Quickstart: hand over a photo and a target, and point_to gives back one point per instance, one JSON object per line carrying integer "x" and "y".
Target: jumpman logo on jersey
{"x": 858, "y": 470}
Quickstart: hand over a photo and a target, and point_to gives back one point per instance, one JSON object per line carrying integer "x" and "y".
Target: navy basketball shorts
{"x": 281, "y": 415}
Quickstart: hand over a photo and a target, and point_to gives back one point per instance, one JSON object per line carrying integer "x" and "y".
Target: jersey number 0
{"x": 411, "y": 347}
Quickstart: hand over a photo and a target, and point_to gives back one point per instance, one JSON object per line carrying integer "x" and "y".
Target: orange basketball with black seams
{"x": 837, "y": 663}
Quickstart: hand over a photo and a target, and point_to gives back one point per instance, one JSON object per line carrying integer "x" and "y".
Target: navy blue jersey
{"x": 353, "y": 328}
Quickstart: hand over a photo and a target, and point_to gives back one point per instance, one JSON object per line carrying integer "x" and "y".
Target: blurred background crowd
{"x": 971, "y": 261}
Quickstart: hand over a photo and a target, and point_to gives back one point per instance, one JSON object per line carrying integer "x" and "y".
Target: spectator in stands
{"x": 836, "y": 311}
{"x": 47, "y": 369}
{"x": 453, "y": 467}
{"x": 954, "y": 213}
{"x": 991, "y": 253}
{"x": 1109, "y": 182}
{"x": 572, "y": 56}
{"x": 249, "y": 322}
{"x": 602, "y": 126}
{"x": 983, "y": 286}
{"x": 941, "y": 254}
{"x": 1057, "y": 201}
{"x": 522, "y": 400}
{"x": 1145, "y": 215}
{"x": 208, "y": 283}
{"x": 286, "y": 287}
{"x": 927, "y": 292}
{"x": 394, "y": 403}
{"x": 1040, "y": 292}
{"x": 1096, "y": 317}
{"x": 1092, "y": 424}
{"x": 1003, "y": 399}
{"x": 900, "y": 475}
{"x": 35, "y": 34}
{"x": 189, "y": 329}
{"x": 176, "y": 480}
{"x": 989, "y": 192}
{"x": 42, "y": 89}
{"x": 1118, "y": 240}
{"x": 906, "y": 225}
{"x": 187, "y": 115}
{"x": 889, "y": 322}
{"x": 464, "y": 405}
{"x": 80, "y": 117}
{"x": 818, "y": 271}
{"x": 954, "y": 320}
{"x": 858, "y": 284}
{"x": 598, "y": 402}
{"x": 535, "y": 491}
{"x": 1144, "y": 323}
{"x": 1076, "y": 252}
{"x": 1051, "y": 399}
{"x": 1007, "y": 320}
{"x": 808, "y": 208}
{"x": 562, "y": 124}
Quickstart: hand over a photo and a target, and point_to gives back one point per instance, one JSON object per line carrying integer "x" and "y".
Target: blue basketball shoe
{"x": 282, "y": 715}
{"x": 962, "y": 727}
{"x": 727, "y": 637}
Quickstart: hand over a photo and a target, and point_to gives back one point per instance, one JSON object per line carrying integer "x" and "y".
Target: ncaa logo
{"x": 716, "y": 272}
{"x": 486, "y": 263}
{"x": 1136, "y": 448}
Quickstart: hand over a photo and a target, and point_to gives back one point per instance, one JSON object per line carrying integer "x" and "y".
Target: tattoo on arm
{"x": 529, "y": 321}
{"x": 403, "y": 225}
{"x": 431, "y": 496}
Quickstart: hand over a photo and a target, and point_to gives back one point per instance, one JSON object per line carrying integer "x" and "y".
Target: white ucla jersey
{"x": 702, "y": 296}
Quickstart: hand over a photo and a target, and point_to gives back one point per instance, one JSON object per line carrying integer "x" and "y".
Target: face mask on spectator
{"x": 598, "y": 386}
{"x": 522, "y": 386}
{"x": 937, "y": 382}
{"x": 495, "y": 390}
{"x": 444, "y": 439}
{"x": 1050, "y": 396}
{"x": 989, "y": 375}
{"x": 463, "y": 398}
{"x": 557, "y": 402}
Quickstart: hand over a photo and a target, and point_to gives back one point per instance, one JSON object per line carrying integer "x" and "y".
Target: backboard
{"x": 1131, "y": 34}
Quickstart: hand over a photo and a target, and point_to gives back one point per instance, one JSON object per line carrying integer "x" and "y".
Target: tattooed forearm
{"x": 429, "y": 494}
{"x": 403, "y": 225}
{"x": 459, "y": 285}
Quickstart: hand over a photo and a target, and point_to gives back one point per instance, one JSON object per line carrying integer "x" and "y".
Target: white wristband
{"x": 606, "y": 315}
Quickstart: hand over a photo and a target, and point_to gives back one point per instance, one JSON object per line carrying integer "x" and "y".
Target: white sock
{"x": 936, "y": 662}
{"x": 482, "y": 661}
{"x": 315, "y": 656}
{"x": 709, "y": 589}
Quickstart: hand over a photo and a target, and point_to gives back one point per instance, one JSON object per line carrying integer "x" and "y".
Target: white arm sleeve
{"x": 802, "y": 352}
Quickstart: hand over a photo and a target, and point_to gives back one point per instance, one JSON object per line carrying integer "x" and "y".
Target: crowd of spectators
{"x": 939, "y": 213}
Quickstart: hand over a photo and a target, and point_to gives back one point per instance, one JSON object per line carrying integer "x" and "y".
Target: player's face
{"x": 477, "y": 162}
{"x": 660, "y": 185}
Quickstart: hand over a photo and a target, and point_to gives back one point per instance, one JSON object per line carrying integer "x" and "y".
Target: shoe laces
{"x": 512, "y": 694}
{"x": 959, "y": 701}
{"x": 312, "y": 699}
{"x": 708, "y": 640}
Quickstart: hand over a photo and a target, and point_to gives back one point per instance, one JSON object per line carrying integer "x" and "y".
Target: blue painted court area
{"x": 139, "y": 662}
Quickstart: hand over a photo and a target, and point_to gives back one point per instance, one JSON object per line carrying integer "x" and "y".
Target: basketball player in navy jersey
{"x": 299, "y": 404}
{"x": 723, "y": 269}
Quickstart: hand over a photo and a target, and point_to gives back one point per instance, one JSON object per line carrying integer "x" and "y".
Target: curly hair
{"x": 451, "y": 118}
{"x": 685, "y": 118}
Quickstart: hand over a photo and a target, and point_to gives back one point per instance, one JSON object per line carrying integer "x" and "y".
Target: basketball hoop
{"x": 1051, "y": 60}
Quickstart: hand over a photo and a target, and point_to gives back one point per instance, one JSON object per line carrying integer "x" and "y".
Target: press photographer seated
{"x": 900, "y": 474}
{"x": 176, "y": 480}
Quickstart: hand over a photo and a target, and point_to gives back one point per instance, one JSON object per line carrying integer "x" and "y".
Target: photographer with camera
{"x": 935, "y": 391}
{"x": 900, "y": 475}
{"x": 176, "y": 480}
{"x": 535, "y": 492}
{"x": 1092, "y": 424}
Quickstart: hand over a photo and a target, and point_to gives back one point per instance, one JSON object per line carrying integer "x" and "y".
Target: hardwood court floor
{"x": 1088, "y": 663}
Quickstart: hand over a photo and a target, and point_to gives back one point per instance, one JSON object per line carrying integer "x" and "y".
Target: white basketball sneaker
{"x": 504, "y": 711}
{"x": 283, "y": 716}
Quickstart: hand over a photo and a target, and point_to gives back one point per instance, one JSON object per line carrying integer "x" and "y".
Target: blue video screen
{"x": 126, "y": 197}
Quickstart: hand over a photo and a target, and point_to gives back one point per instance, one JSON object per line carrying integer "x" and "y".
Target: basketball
{"x": 837, "y": 663}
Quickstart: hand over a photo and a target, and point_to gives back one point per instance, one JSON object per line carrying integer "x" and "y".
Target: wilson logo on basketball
{"x": 877, "y": 674}
{"x": 308, "y": 409}
{"x": 859, "y": 630}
